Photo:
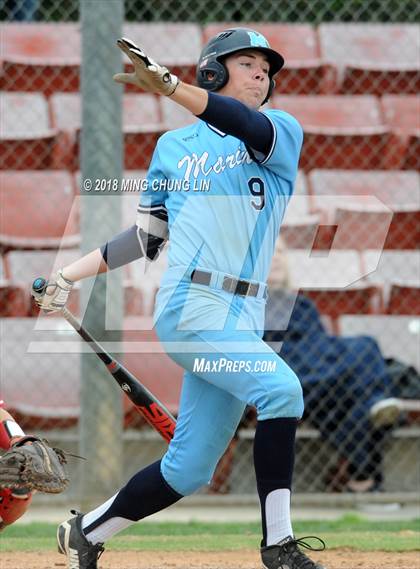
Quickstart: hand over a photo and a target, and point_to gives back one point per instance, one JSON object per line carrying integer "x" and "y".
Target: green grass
{"x": 349, "y": 531}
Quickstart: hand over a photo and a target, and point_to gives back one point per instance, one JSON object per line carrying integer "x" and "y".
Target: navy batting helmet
{"x": 212, "y": 73}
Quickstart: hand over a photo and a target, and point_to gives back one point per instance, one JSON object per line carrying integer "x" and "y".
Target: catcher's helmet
{"x": 212, "y": 73}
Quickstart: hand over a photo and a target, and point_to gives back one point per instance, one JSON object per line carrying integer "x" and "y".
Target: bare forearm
{"x": 88, "y": 266}
{"x": 192, "y": 98}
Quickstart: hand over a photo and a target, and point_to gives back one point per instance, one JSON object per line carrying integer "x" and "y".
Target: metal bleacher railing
{"x": 350, "y": 236}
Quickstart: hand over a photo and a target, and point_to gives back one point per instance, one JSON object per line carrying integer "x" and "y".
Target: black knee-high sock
{"x": 146, "y": 493}
{"x": 274, "y": 457}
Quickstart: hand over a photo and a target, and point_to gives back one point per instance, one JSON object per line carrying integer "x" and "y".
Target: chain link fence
{"x": 344, "y": 303}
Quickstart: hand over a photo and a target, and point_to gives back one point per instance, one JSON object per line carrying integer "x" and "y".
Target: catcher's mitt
{"x": 35, "y": 466}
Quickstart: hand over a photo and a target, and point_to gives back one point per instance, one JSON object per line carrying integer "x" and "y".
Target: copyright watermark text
{"x": 136, "y": 185}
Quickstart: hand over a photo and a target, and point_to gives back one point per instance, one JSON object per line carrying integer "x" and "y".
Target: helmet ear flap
{"x": 220, "y": 76}
{"x": 270, "y": 91}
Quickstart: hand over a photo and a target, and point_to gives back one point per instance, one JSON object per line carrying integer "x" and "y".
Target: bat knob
{"x": 39, "y": 285}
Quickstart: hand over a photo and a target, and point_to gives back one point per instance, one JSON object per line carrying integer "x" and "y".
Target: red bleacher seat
{"x": 388, "y": 268}
{"x": 23, "y": 267}
{"x": 304, "y": 71}
{"x": 174, "y": 44}
{"x": 40, "y": 57}
{"x": 404, "y": 299}
{"x": 26, "y": 139}
{"x": 340, "y": 131}
{"x": 391, "y": 332}
{"x": 141, "y": 124}
{"x": 334, "y": 282}
{"x": 14, "y": 299}
{"x": 373, "y": 58}
{"x": 145, "y": 358}
{"x": 402, "y": 113}
{"x": 37, "y": 210}
{"x": 300, "y": 226}
{"x": 361, "y": 226}
{"x": 365, "y": 202}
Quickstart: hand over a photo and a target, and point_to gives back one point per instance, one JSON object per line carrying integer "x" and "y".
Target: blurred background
{"x": 344, "y": 302}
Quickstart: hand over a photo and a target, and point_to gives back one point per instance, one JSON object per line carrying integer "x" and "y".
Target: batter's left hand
{"x": 148, "y": 75}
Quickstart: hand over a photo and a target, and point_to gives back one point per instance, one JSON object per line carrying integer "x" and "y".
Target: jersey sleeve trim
{"x": 273, "y": 144}
{"x": 216, "y": 130}
{"x": 149, "y": 208}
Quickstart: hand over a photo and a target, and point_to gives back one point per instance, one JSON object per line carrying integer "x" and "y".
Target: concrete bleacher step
{"x": 309, "y": 433}
{"x": 387, "y": 329}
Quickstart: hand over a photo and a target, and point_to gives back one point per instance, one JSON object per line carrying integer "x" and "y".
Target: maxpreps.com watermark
{"x": 136, "y": 185}
{"x": 204, "y": 365}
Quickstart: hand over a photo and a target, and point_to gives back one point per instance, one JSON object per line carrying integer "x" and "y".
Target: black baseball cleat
{"x": 72, "y": 542}
{"x": 287, "y": 555}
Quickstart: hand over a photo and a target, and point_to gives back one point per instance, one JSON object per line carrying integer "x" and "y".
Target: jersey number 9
{"x": 256, "y": 187}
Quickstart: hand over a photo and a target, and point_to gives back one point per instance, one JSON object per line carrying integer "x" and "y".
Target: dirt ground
{"x": 337, "y": 559}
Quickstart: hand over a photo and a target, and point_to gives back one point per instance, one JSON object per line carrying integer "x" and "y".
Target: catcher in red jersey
{"x": 27, "y": 464}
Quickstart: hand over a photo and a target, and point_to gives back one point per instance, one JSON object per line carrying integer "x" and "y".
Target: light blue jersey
{"x": 226, "y": 219}
{"x": 225, "y": 208}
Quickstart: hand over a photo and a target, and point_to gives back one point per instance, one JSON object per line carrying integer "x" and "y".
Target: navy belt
{"x": 229, "y": 283}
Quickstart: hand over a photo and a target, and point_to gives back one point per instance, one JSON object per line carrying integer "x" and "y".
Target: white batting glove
{"x": 148, "y": 75}
{"x": 55, "y": 294}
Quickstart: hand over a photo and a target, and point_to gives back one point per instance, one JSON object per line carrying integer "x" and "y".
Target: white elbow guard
{"x": 152, "y": 230}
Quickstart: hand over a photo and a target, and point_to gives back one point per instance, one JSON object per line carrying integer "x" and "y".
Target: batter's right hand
{"x": 53, "y": 296}
{"x": 148, "y": 75}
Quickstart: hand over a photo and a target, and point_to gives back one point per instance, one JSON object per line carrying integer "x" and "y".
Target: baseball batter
{"x": 237, "y": 165}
